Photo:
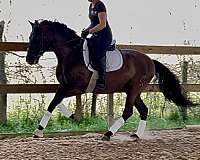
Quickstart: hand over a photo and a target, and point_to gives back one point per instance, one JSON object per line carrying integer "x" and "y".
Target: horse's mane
{"x": 61, "y": 28}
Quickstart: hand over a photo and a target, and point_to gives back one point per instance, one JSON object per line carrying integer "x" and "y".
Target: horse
{"x": 73, "y": 75}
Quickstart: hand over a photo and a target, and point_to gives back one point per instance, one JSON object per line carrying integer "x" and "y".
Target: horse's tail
{"x": 169, "y": 85}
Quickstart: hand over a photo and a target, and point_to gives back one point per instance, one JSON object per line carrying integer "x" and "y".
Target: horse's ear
{"x": 31, "y": 23}
{"x": 36, "y": 22}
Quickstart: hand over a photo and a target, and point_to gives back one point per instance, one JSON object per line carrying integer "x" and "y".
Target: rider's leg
{"x": 101, "y": 45}
{"x": 102, "y": 72}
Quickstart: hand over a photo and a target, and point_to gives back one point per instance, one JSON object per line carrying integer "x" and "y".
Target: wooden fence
{"x": 51, "y": 88}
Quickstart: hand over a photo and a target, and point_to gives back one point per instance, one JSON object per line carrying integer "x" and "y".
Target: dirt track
{"x": 157, "y": 145}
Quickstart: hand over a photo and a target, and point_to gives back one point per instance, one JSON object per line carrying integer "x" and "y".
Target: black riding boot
{"x": 101, "y": 83}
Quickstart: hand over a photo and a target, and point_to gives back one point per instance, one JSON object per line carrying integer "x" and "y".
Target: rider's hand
{"x": 84, "y": 33}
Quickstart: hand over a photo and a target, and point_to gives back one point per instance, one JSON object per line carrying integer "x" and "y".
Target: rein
{"x": 64, "y": 43}
{"x": 67, "y": 42}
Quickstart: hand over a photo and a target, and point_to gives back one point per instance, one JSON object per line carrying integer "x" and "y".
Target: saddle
{"x": 114, "y": 60}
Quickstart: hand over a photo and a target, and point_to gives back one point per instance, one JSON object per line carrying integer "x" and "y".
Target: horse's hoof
{"x": 105, "y": 138}
{"x": 135, "y": 136}
{"x": 35, "y": 136}
{"x": 38, "y": 133}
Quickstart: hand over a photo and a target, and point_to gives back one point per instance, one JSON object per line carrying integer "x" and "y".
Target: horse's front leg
{"x": 59, "y": 96}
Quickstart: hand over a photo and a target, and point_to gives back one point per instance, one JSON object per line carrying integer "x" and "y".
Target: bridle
{"x": 44, "y": 44}
{"x": 42, "y": 47}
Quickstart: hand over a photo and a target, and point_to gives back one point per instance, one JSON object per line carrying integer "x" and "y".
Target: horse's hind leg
{"x": 143, "y": 111}
{"x": 128, "y": 111}
{"x": 59, "y": 96}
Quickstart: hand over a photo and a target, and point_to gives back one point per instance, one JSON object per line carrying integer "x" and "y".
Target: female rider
{"x": 101, "y": 37}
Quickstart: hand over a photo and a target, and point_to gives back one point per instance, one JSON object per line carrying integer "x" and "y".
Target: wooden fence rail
{"x": 177, "y": 50}
{"x": 51, "y": 88}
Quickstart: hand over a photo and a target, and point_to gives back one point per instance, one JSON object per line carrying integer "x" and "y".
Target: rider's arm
{"x": 102, "y": 23}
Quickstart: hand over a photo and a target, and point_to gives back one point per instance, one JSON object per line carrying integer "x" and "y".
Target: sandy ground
{"x": 181, "y": 144}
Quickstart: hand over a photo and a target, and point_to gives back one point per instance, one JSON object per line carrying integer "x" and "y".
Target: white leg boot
{"x": 44, "y": 121}
{"x": 141, "y": 128}
{"x": 63, "y": 109}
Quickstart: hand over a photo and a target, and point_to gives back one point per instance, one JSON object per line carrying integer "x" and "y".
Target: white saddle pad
{"x": 114, "y": 60}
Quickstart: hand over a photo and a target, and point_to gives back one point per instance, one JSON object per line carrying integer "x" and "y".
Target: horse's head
{"x": 47, "y": 35}
{"x": 39, "y": 42}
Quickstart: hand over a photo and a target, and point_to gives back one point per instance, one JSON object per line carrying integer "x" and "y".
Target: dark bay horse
{"x": 73, "y": 75}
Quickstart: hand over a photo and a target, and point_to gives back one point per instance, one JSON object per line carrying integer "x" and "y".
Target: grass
{"x": 25, "y": 114}
{"x": 62, "y": 124}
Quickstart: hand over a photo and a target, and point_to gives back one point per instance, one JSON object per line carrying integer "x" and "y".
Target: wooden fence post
{"x": 184, "y": 81}
{"x": 79, "y": 109}
{"x": 94, "y": 104}
{"x": 110, "y": 112}
{"x": 3, "y": 97}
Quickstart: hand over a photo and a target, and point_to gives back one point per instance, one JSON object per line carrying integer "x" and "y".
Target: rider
{"x": 101, "y": 37}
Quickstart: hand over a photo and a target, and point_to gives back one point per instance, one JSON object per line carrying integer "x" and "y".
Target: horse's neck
{"x": 67, "y": 49}
{"x": 68, "y": 54}
{"x": 61, "y": 53}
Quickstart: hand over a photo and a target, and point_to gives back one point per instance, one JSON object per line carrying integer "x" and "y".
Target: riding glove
{"x": 84, "y": 33}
